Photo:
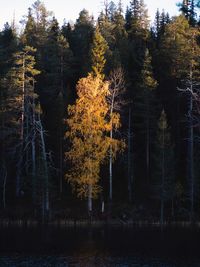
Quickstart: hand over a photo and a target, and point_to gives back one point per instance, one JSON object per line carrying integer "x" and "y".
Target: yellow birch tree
{"x": 88, "y": 132}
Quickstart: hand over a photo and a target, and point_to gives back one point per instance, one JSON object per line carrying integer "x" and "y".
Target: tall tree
{"x": 120, "y": 48}
{"x": 181, "y": 40}
{"x": 99, "y": 47}
{"x": 8, "y": 46}
{"x": 147, "y": 103}
{"x": 188, "y": 10}
{"x": 163, "y": 182}
{"x": 190, "y": 85}
{"x": 116, "y": 101}
{"x": 88, "y": 125}
{"x": 139, "y": 19}
{"x": 22, "y": 78}
{"x": 81, "y": 40}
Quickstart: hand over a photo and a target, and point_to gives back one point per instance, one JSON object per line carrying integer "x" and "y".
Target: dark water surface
{"x": 86, "y": 247}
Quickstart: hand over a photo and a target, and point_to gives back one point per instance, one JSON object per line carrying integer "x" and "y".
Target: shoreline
{"x": 112, "y": 223}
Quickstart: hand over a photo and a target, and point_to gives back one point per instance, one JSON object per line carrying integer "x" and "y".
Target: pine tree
{"x": 161, "y": 20}
{"x": 22, "y": 79}
{"x": 190, "y": 84}
{"x": 80, "y": 44}
{"x": 99, "y": 47}
{"x": 51, "y": 64}
{"x": 187, "y": 7}
{"x": 157, "y": 23}
{"x": 36, "y": 25}
{"x": 128, "y": 16}
{"x": 111, "y": 10}
{"x": 147, "y": 86}
{"x": 139, "y": 22}
{"x": 178, "y": 44}
{"x": 119, "y": 50}
{"x": 144, "y": 114}
{"x": 8, "y": 45}
{"x": 29, "y": 35}
{"x": 106, "y": 27}
{"x": 163, "y": 182}
{"x": 115, "y": 34}
{"x": 119, "y": 23}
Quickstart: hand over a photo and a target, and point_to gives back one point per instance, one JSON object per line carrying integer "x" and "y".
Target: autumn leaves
{"x": 89, "y": 125}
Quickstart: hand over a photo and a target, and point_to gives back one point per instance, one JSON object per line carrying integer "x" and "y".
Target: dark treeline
{"x": 152, "y": 75}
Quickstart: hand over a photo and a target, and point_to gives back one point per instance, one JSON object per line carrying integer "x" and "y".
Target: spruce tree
{"x": 22, "y": 79}
{"x": 180, "y": 40}
{"x": 80, "y": 44}
{"x": 99, "y": 47}
{"x": 187, "y": 7}
{"x": 163, "y": 184}
{"x": 144, "y": 114}
{"x": 8, "y": 46}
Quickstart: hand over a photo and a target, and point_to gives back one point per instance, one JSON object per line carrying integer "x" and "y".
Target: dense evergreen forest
{"x": 101, "y": 117}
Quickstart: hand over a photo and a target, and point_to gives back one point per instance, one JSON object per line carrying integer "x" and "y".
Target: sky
{"x": 69, "y": 9}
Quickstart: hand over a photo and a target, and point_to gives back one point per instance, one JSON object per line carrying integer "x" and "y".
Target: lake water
{"x": 86, "y": 247}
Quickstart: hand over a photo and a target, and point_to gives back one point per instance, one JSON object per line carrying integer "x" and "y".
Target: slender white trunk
{"x": 46, "y": 181}
{"x": 191, "y": 152}
{"x": 27, "y": 114}
{"x": 23, "y": 100}
{"x": 19, "y": 165}
{"x": 33, "y": 171}
{"x": 102, "y": 207}
{"x": 33, "y": 155}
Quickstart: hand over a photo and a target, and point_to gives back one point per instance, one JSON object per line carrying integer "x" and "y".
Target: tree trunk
{"x": 172, "y": 210}
{"x": 4, "y": 185}
{"x": 162, "y": 212}
{"x": 46, "y": 181}
{"x": 130, "y": 196}
{"x": 163, "y": 178}
{"x": 23, "y": 101}
{"x": 61, "y": 137}
{"x": 33, "y": 156}
{"x": 111, "y": 156}
{"x": 33, "y": 172}
{"x": 190, "y": 157}
{"x": 26, "y": 137}
{"x": 110, "y": 169}
{"x": 61, "y": 162}
{"x": 147, "y": 141}
{"x": 19, "y": 165}
{"x": 89, "y": 199}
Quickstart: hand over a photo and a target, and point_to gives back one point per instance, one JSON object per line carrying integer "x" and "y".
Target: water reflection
{"x": 84, "y": 261}
{"x": 59, "y": 247}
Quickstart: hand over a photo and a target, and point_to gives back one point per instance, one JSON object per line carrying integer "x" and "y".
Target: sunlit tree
{"x": 88, "y": 128}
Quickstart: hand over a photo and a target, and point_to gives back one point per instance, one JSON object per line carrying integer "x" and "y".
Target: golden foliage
{"x": 89, "y": 124}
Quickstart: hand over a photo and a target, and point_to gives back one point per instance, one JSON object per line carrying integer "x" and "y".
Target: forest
{"x": 100, "y": 118}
